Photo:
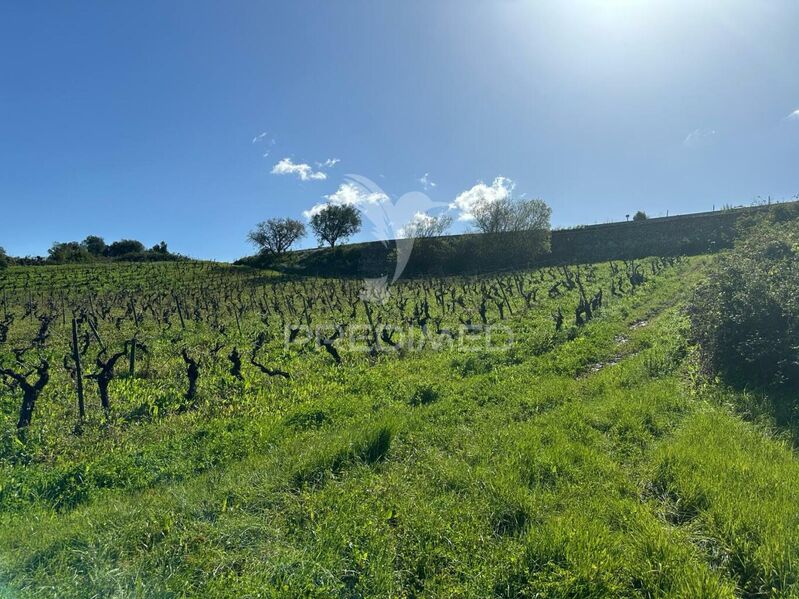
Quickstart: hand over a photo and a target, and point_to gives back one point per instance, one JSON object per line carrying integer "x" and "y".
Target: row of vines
{"x": 103, "y": 342}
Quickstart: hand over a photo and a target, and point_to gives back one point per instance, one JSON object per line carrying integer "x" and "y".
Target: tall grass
{"x": 590, "y": 468}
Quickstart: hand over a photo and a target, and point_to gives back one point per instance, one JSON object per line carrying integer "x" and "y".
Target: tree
{"x": 424, "y": 226}
{"x": 640, "y": 215}
{"x": 276, "y": 235}
{"x": 506, "y": 215}
{"x": 335, "y": 222}
{"x": 68, "y": 252}
{"x": 94, "y": 245}
{"x": 3, "y": 258}
{"x": 160, "y": 248}
{"x": 124, "y": 247}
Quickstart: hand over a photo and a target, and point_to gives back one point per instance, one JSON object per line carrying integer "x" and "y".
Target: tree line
{"x": 336, "y": 223}
{"x": 95, "y": 249}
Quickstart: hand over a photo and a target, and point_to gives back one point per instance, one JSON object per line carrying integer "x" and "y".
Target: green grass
{"x": 588, "y": 464}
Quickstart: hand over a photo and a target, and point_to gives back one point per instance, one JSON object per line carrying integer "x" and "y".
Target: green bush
{"x": 745, "y": 318}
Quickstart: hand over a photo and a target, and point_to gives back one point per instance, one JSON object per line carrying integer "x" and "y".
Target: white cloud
{"x": 794, "y": 116}
{"x": 427, "y": 182}
{"x": 348, "y": 194}
{"x": 699, "y": 137}
{"x": 329, "y": 163}
{"x": 313, "y": 210}
{"x": 481, "y": 194}
{"x": 303, "y": 171}
{"x": 259, "y": 137}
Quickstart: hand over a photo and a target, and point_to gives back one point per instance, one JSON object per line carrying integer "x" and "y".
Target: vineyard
{"x": 187, "y": 428}
{"x": 136, "y": 332}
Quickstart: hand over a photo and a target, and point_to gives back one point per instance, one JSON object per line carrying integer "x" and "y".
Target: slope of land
{"x": 586, "y": 461}
{"x": 678, "y": 235}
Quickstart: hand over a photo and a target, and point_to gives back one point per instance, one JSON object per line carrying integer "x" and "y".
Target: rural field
{"x": 408, "y": 299}
{"x": 548, "y": 432}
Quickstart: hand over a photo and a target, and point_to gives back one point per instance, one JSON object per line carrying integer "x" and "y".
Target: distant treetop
{"x": 123, "y": 247}
{"x": 507, "y": 215}
{"x": 95, "y": 245}
{"x": 276, "y": 235}
{"x": 335, "y": 223}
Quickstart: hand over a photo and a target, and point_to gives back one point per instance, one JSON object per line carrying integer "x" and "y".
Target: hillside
{"x": 455, "y": 440}
{"x": 680, "y": 235}
{"x": 464, "y": 358}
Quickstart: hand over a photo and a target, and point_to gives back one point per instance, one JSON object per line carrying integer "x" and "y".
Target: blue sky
{"x": 145, "y": 119}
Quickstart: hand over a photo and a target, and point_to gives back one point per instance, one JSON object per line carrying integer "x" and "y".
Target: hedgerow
{"x": 745, "y": 317}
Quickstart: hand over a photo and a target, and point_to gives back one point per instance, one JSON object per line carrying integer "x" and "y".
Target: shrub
{"x": 745, "y": 318}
